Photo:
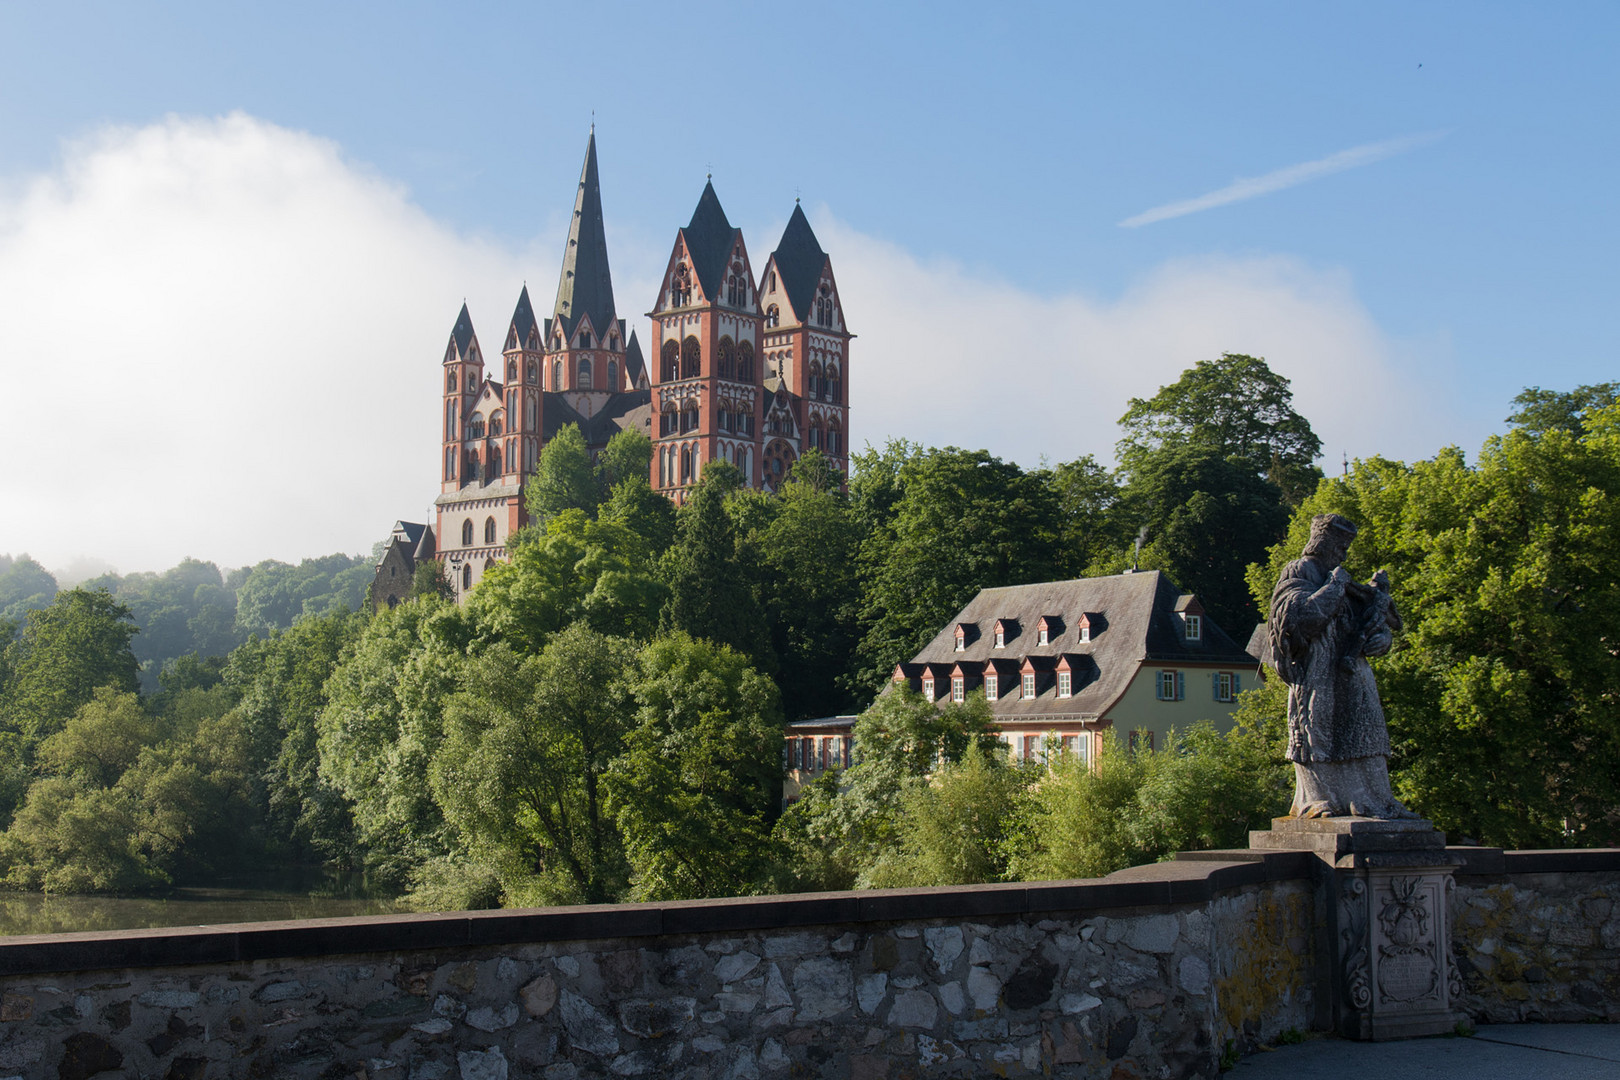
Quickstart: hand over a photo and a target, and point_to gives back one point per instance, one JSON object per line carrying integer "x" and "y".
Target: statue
{"x": 1322, "y": 628}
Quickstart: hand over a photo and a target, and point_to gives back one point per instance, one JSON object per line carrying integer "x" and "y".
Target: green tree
{"x": 66, "y": 651}
{"x": 697, "y": 788}
{"x": 1540, "y": 411}
{"x": 526, "y": 746}
{"x": 710, "y": 592}
{"x": 635, "y": 505}
{"x": 24, "y": 586}
{"x": 563, "y": 479}
{"x": 1090, "y": 527}
{"x": 1235, "y": 406}
{"x": 101, "y": 741}
{"x": 428, "y": 579}
{"x": 273, "y": 595}
{"x": 628, "y": 454}
{"x": 964, "y": 521}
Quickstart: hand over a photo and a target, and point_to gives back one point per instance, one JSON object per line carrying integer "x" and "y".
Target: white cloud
{"x": 1250, "y": 187}
{"x": 223, "y": 340}
{"x": 944, "y": 357}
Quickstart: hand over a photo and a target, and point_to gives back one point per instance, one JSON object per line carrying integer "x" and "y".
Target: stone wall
{"x": 1151, "y": 970}
{"x": 1537, "y": 936}
{"x": 1158, "y": 971}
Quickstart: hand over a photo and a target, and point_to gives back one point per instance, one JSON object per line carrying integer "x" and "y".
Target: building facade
{"x": 750, "y": 371}
{"x": 1062, "y": 664}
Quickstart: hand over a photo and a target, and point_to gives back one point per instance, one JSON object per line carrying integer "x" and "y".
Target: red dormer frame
{"x": 1050, "y": 627}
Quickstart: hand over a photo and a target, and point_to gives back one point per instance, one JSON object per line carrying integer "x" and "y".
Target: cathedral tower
{"x": 705, "y": 373}
{"x": 806, "y": 353}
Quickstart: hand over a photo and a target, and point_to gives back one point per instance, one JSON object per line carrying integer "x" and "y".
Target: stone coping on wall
{"x": 1192, "y": 878}
{"x": 1154, "y": 885}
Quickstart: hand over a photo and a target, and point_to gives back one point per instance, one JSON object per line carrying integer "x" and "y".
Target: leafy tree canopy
{"x": 563, "y": 479}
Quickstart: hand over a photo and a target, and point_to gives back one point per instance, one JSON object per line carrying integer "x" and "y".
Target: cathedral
{"x": 750, "y": 370}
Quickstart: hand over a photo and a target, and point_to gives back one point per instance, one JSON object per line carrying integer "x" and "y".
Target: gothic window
{"x": 824, "y": 307}
{"x": 736, "y": 290}
{"x": 450, "y": 382}
{"x": 686, "y": 464}
{"x": 449, "y": 463}
{"x": 771, "y": 277}
{"x": 494, "y": 462}
{"x": 666, "y": 420}
{"x": 680, "y": 290}
{"x": 497, "y": 422}
{"x": 669, "y": 368}
{"x": 613, "y": 343}
{"x": 584, "y": 339}
{"x": 773, "y": 314}
{"x": 466, "y": 577}
{"x": 533, "y": 375}
{"x": 835, "y": 385}
{"x": 727, "y": 359}
{"x": 511, "y": 371}
{"x": 583, "y": 382}
{"x": 745, "y": 362}
{"x": 691, "y": 358}
{"x": 450, "y": 421}
{"x": 477, "y": 427}
{"x": 489, "y": 530}
{"x": 528, "y": 415}
{"x": 725, "y": 418}
{"x": 613, "y": 375}
{"x": 467, "y": 533}
{"x": 689, "y": 417}
{"x": 556, "y": 375}
{"x": 815, "y": 381}
{"x": 835, "y": 439}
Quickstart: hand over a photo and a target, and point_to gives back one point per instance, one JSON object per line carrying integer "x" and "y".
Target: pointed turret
{"x": 586, "y": 285}
{"x": 799, "y": 260}
{"x": 709, "y": 239}
{"x": 523, "y": 328}
{"x": 462, "y": 334}
{"x": 635, "y": 365}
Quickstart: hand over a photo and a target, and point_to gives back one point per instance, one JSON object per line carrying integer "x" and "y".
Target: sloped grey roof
{"x": 409, "y": 531}
{"x": 585, "y": 286}
{"x": 425, "y": 547}
{"x": 634, "y": 363}
{"x": 799, "y": 262}
{"x": 522, "y": 319}
{"x": 462, "y": 332}
{"x": 621, "y": 410}
{"x": 709, "y": 239}
{"x": 1132, "y": 622}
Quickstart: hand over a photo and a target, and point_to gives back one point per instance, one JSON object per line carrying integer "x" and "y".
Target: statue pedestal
{"x": 1385, "y": 892}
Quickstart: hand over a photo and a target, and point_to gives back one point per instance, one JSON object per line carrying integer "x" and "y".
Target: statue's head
{"x": 1330, "y": 537}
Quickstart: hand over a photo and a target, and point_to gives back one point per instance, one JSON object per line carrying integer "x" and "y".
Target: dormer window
{"x": 1029, "y": 684}
{"x": 1005, "y": 628}
{"x": 928, "y": 688}
{"x": 1065, "y": 684}
{"x": 992, "y": 685}
{"x": 1044, "y": 639}
{"x": 1085, "y": 633}
{"x": 585, "y": 340}
{"x": 1194, "y": 627}
{"x": 958, "y": 688}
{"x": 1001, "y": 638}
{"x": 961, "y": 639}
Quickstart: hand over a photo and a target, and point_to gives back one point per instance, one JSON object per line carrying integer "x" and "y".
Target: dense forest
{"x": 602, "y": 720}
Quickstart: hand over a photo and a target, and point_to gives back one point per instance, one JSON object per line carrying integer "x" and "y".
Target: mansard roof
{"x": 709, "y": 240}
{"x": 1136, "y": 613}
{"x": 523, "y": 320}
{"x": 462, "y": 333}
{"x": 585, "y": 286}
{"x": 799, "y": 262}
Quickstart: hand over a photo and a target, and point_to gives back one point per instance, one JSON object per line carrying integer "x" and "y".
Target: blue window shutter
{"x": 1237, "y": 684}
{"x": 1215, "y": 685}
{"x": 1181, "y": 691}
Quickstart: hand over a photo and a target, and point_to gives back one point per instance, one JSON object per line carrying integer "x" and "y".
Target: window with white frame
{"x": 1001, "y": 638}
{"x": 1195, "y": 627}
{"x": 1031, "y": 749}
{"x": 1085, "y": 634}
{"x": 1226, "y": 686}
{"x": 1045, "y": 638}
{"x": 992, "y": 686}
{"x": 1169, "y": 686}
{"x": 961, "y": 639}
{"x": 958, "y": 688}
{"x": 1029, "y": 684}
{"x": 928, "y": 688}
{"x": 1065, "y": 684}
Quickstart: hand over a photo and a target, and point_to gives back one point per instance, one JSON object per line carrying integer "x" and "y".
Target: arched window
{"x": 494, "y": 462}
{"x": 736, "y": 290}
{"x": 467, "y": 533}
{"x": 497, "y": 422}
{"x": 450, "y": 382}
{"x": 449, "y": 463}
{"x": 466, "y": 577}
{"x": 691, "y": 358}
{"x": 686, "y": 464}
{"x": 726, "y": 359}
{"x": 450, "y": 421}
{"x": 583, "y": 382}
{"x": 613, "y": 375}
{"x": 835, "y": 385}
{"x": 667, "y": 420}
{"x": 669, "y": 367}
{"x": 824, "y": 307}
{"x": 511, "y": 371}
{"x": 745, "y": 362}
{"x": 489, "y": 530}
{"x": 689, "y": 417}
{"x": 680, "y": 289}
{"x": 773, "y": 315}
{"x": 556, "y": 375}
{"x": 835, "y": 439}
{"x": 475, "y": 429}
{"x": 585, "y": 341}
{"x": 815, "y": 381}
{"x": 532, "y": 371}
{"x": 528, "y": 415}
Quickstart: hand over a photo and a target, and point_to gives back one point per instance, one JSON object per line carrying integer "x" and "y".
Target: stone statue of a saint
{"x": 1323, "y": 626}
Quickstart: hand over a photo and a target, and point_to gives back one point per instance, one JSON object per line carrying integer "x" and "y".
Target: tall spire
{"x": 586, "y": 285}
{"x": 799, "y": 261}
{"x": 709, "y": 237}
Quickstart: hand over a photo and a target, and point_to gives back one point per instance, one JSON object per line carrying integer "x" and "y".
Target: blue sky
{"x": 975, "y": 161}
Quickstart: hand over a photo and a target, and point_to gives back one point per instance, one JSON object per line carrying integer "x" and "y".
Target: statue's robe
{"x": 1321, "y": 633}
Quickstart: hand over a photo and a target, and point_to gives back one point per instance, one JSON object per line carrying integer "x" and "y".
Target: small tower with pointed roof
{"x": 806, "y": 353}
{"x": 524, "y": 354}
{"x": 463, "y": 378}
{"x": 705, "y": 375}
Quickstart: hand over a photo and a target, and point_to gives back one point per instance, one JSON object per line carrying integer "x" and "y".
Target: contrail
{"x": 1241, "y": 189}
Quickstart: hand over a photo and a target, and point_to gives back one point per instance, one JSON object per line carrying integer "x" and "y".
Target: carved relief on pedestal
{"x": 1353, "y": 941}
{"x": 1408, "y": 953}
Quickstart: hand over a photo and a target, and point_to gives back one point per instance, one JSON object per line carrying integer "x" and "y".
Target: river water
{"x": 236, "y": 902}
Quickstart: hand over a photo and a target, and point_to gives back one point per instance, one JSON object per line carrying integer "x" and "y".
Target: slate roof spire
{"x": 799, "y": 262}
{"x": 709, "y": 238}
{"x": 586, "y": 285}
{"x": 462, "y": 334}
{"x": 522, "y": 319}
